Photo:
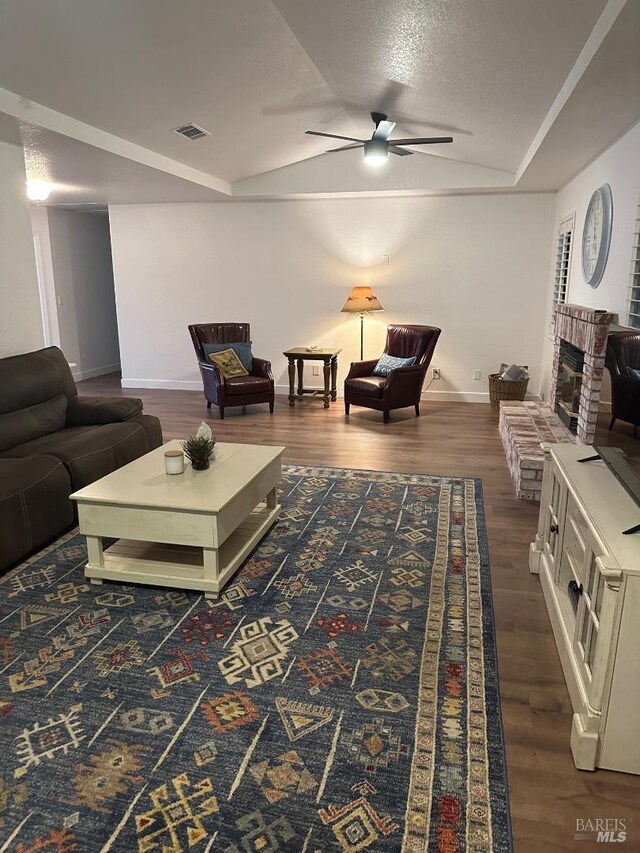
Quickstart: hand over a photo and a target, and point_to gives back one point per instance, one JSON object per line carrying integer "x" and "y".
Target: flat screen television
{"x": 616, "y": 461}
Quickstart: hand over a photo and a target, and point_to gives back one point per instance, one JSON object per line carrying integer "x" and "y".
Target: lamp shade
{"x": 362, "y": 299}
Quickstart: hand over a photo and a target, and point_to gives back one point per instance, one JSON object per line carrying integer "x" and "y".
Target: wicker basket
{"x": 505, "y": 389}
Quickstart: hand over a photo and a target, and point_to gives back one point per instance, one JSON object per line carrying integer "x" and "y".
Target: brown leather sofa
{"x": 258, "y": 387}
{"x": 52, "y": 442}
{"x": 623, "y": 351}
{"x": 403, "y": 386}
{"x": 34, "y": 505}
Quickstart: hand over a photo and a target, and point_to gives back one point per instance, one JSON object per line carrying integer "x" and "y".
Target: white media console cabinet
{"x": 590, "y": 576}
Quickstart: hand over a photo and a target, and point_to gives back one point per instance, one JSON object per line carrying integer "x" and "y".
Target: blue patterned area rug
{"x": 341, "y": 695}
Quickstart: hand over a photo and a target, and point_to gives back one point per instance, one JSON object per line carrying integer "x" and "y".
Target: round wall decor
{"x": 596, "y": 235}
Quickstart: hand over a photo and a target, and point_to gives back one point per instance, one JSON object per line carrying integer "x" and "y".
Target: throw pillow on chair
{"x": 387, "y": 363}
{"x": 241, "y": 348}
{"x": 228, "y": 363}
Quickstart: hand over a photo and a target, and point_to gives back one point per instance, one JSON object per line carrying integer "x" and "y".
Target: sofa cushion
{"x": 34, "y": 377}
{"x": 34, "y": 505}
{"x": 371, "y": 386}
{"x": 247, "y": 385}
{"x": 33, "y": 421}
{"x": 89, "y": 452}
{"x": 34, "y": 389}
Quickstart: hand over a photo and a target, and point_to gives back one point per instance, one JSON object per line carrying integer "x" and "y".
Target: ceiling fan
{"x": 376, "y": 149}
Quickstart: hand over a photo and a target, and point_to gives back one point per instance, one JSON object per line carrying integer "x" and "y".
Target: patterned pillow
{"x": 387, "y": 363}
{"x": 228, "y": 363}
{"x": 241, "y": 348}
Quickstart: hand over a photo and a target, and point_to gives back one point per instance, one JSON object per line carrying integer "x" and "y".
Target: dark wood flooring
{"x": 547, "y": 793}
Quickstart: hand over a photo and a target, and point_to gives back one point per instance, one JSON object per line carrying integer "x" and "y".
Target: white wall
{"x": 477, "y": 266}
{"x": 81, "y": 267}
{"x": 20, "y": 317}
{"x": 44, "y": 267}
{"x": 618, "y": 166}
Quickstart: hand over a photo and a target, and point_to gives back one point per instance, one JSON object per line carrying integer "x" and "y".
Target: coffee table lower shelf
{"x": 180, "y": 566}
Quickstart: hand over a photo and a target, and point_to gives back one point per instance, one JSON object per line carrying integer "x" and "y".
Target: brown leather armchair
{"x": 258, "y": 387}
{"x": 403, "y": 386}
{"x": 623, "y": 351}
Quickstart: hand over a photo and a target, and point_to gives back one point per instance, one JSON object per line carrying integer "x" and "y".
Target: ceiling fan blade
{"x": 383, "y": 130}
{"x": 349, "y": 147}
{"x": 333, "y": 136}
{"x": 422, "y": 140}
{"x": 400, "y": 151}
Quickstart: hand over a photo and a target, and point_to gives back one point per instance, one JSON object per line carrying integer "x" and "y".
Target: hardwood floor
{"x": 547, "y": 793}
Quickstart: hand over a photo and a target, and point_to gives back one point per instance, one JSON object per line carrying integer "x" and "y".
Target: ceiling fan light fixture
{"x": 376, "y": 152}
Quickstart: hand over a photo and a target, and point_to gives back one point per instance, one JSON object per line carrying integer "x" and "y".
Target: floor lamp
{"x": 361, "y": 301}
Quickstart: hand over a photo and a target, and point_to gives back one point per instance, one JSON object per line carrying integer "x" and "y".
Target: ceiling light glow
{"x": 38, "y": 190}
{"x": 376, "y": 152}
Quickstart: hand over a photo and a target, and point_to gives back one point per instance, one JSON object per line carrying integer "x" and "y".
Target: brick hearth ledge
{"x": 523, "y": 428}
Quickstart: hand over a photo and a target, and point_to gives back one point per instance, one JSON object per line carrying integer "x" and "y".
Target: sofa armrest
{"x": 261, "y": 367}
{"x": 361, "y": 368}
{"x": 92, "y": 411}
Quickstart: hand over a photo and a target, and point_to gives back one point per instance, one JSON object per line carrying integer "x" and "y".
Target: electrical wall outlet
{"x": 476, "y": 374}
{"x": 435, "y": 373}
{"x": 316, "y": 370}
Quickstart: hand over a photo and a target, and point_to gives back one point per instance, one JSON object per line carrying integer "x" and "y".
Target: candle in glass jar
{"x": 174, "y": 462}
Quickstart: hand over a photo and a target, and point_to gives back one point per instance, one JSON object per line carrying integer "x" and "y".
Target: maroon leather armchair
{"x": 403, "y": 386}
{"x": 258, "y": 387}
{"x": 623, "y": 351}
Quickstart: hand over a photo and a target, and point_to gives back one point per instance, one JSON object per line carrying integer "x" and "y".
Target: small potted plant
{"x": 199, "y": 448}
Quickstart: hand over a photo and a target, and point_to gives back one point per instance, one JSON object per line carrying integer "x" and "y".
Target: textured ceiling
{"x": 258, "y": 73}
{"x": 486, "y": 70}
{"x": 79, "y": 168}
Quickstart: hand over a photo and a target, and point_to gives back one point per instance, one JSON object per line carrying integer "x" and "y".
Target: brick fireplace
{"x": 585, "y": 330}
{"x": 580, "y": 342}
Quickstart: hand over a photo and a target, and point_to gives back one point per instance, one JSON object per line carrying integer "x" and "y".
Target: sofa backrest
{"x": 34, "y": 390}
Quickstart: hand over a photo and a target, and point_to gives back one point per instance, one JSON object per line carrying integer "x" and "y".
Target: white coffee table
{"x": 189, "y": 531}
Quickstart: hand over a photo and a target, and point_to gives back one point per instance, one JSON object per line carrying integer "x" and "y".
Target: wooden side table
{"x": 329, "y": 359}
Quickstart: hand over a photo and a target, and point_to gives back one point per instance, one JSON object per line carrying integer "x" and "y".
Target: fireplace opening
{"x": 570, "y": 374}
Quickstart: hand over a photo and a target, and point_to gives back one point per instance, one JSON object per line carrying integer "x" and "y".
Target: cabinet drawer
{"x": 576, "y": 537}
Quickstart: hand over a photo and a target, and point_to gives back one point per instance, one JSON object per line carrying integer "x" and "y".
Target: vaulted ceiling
{"x": 531, "y": 91}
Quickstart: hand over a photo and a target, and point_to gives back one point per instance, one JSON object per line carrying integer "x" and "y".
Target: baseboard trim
{"x": 283, "y": 390}
{"x": 465, "y": 396}
{"x": 167, "y": 384}
{"x": 79, "y": 375}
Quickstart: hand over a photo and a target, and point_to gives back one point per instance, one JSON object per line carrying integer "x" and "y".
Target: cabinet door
{"x": 594, "y": 623}
{"x": 553, "y": 522}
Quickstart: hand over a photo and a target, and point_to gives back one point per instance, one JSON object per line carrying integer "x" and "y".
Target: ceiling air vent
{"x": 191, "y": 131}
